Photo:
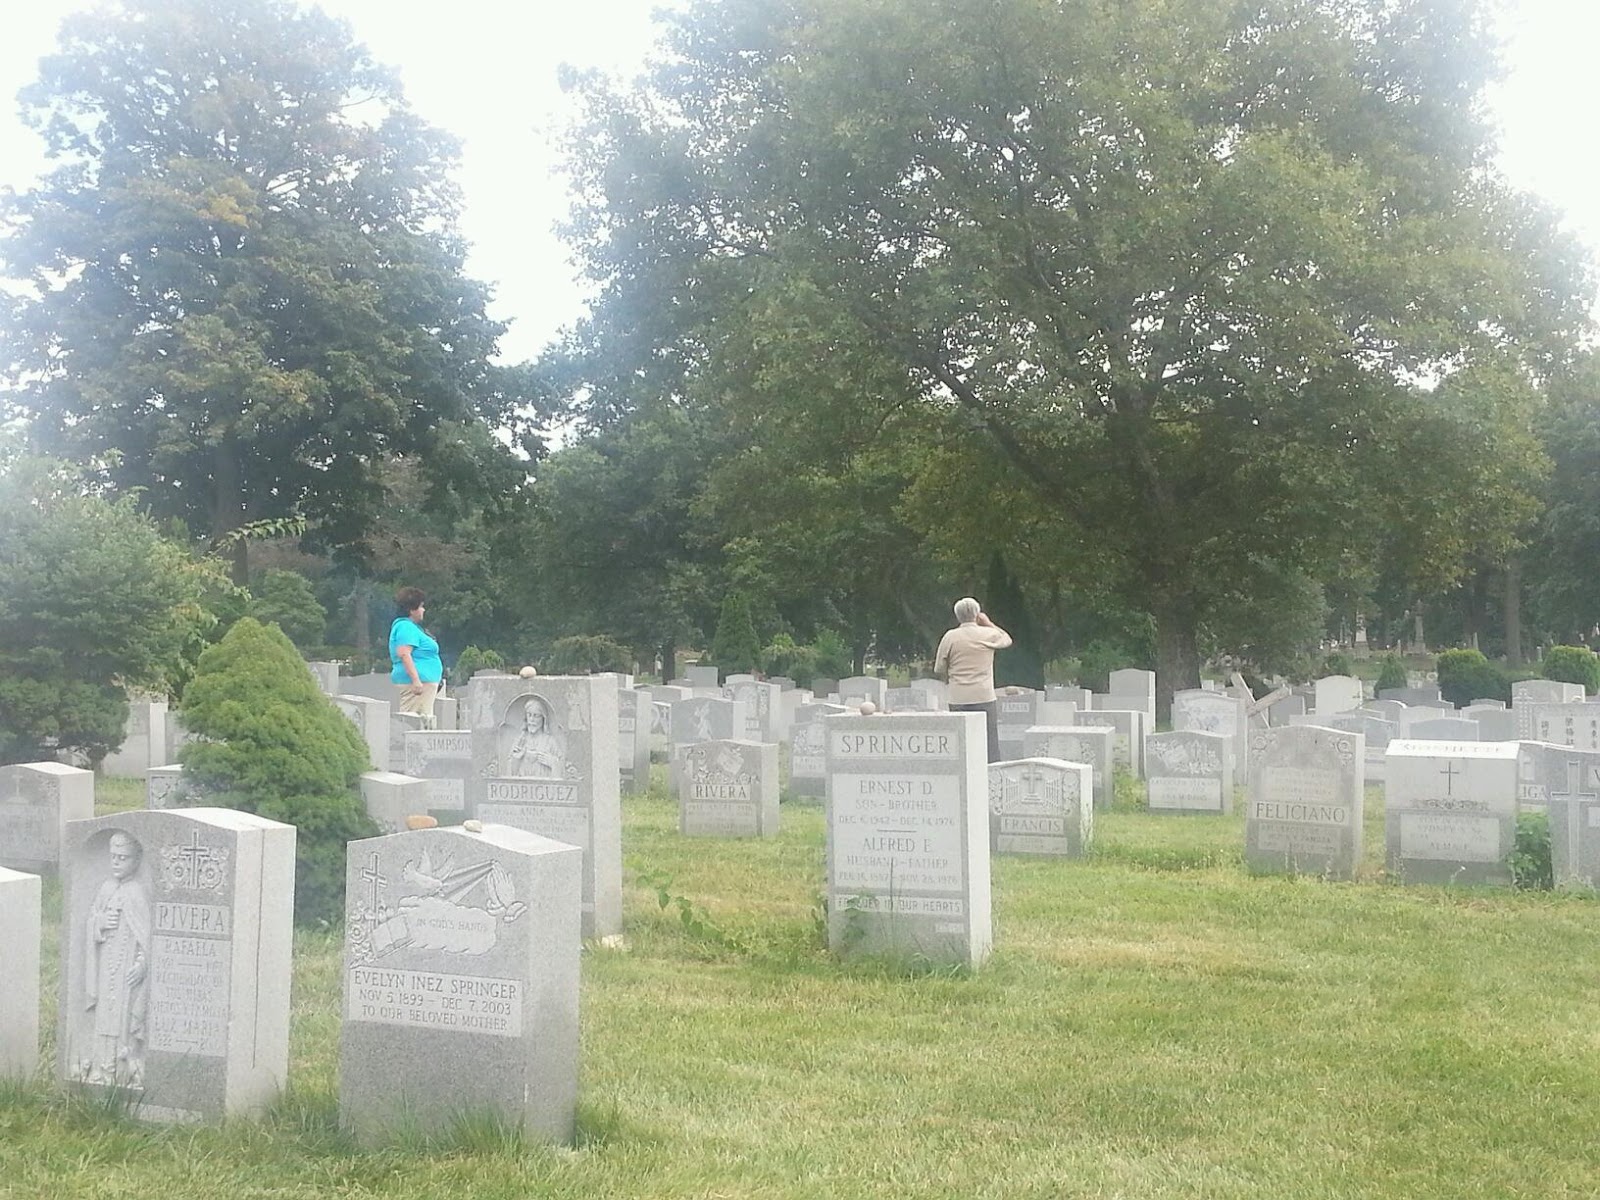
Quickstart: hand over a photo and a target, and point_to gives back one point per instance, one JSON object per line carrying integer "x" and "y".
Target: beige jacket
{"x": 966, "y": 661}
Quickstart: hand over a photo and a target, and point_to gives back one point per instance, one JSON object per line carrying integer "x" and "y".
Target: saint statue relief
{"x": 539, "y": 751}
{"x": 116, "y": 968}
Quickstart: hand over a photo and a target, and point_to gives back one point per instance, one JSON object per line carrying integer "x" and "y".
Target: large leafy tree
{"x": 245, "y": 280}
{"x": 1189, "y": 270}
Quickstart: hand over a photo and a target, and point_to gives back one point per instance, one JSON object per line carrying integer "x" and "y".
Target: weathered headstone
{"x": 1129, "y": 729}
{"x": 1376, "y": 734}
{"x": 857, "y": 688}
{"x": 1189, "y": 771}
{"x": 1385, "y": 710}
{"x": 1450, "y": 811}
{"x": 1494, "y": 724}
{"x": 390, "y": 798}
{"x": 444, "y": 758}
{"x": 1337, "y": 694}
{"x": 144, "y": 743}
{"x": 461, "y": 982}
{"x": 728, "y": 789}
{"x": 1094, "y": 745}
{"x": 1413, "y": 715}
{"x": 1041, "y": 806}
{"x": 1081, "y": 699}
{"x": 371, "y": 718}
{"x": 1565, "y": 783}
{"x": 808, "y": 749}
{"x": 1445, "y": 729}
{"x": 401, "y": 724}
{"x": 36, "y": 802}
{"x": 702, "y": 677}
{"x": 1016, "y": 709}
{"x": 165, "y": 787}
{"x": 1133, "y": 688}
{"x": 177, "y": 929}
{"x": 20, "y": 932}
{"x": 634, "y": 715}
{"x": 545, "y": 761}
{"x": 908, "y": 836}
{"x": 1214, "y": 712}
{"x": 762, "y": 716}
{"x": 327, "y": 676}
{"x": 912, "y": 700}
{"x": 660, "y": 728}
{"x": 1545, "y": 691}
{"x": 1413, "y": 696}
{"x": 1304, "y": 809}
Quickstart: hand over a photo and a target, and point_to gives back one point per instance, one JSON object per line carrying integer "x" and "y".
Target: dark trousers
{"x": 991, "y": 713}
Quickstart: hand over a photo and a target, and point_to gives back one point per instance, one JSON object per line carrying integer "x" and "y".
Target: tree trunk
{"x": 669, "y": 659}
{"x": 1177, "y": 655}
{"x": 227, "y": 508}
{"x": 361, "y": 614}
{"x": 1513, "y": 611}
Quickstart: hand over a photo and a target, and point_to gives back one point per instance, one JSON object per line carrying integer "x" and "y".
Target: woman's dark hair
{"x": 408, "y": 599}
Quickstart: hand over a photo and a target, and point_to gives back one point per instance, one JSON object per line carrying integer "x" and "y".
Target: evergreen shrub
{"x": 271, "y": 743}
{"x": 834, "y": 657}
{"x": 784, "y": 656}
{"x": 1573, "y": 664}
{"x": 735, "y": 647}
{"x": 1466, "y": 675}
{"x": 285, "y": 599}
{"x": 1391, "y": 672}
{"x": 472, "y": 660}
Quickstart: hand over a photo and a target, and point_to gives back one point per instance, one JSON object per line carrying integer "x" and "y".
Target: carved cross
{"x": 1574, "y": 799}
{"x": 376, "y": 878}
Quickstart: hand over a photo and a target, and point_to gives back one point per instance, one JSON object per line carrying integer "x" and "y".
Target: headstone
{"x": 1566, "y": 784}
{"x": 1488, "y": 703}
{"x": 634, "y": 713}
{"x": 1337, "y": 694}
{"x": 164, "y": 787}
{"x": 660, "y": 727}
{"x": 446, "y": 712}
{"x": 20, "y": 933}
{"x": 545, "y": 761}
{"x": 1213, "y": 712}
{"x": 1129, "y": 726}
{"x": 822, "y": 688}
{"x": 444, "y": 758}
{"x": 702, "y": 677}
{"x": 1385, "y": 710}
{"x": 1135, "y": 689}
{"x": 912, "y": 700}
{"x": 375, "y": 685}
{"x": 1303, "y": 814}
{"x": 1081, "y": 744}
{"x": 1450, "y": 811}
{"x": 808, "y": 749}
{"x": 1413, "y": 696}
{"x": 371, "y": 718}
{"x": 704, "y": 719}
{"x": 401, "y": 724}
{"x": 728, "y": 789}
{"x": 1445, "y": 729}
{"x": 1545, "y": 691}
{"x": 908, "y": 836}
{"x": 1494, "y": 724}
{"x": 1376, "y": 734}
{"x": 144, "y": 743}
{"x": 1041, "y": 806}
{"x": 1080, "y": 698}
{"x": 1570, "y": 724}
{"x": 1413, "y": 715}
{"x": 461, "y": 982}
{"x": 177, "y": 930}
{"x": 327, "y": 676}
{"x": 854, "y": 690}
{"x": 785, "y": 684}
{"x": 1189, "y": 771}
{"x": 390, "y": 798}
{"x": 178, "y": 736}
{"x": 36, "y": 802}
{"x": 937, "y": 692}
{"x": 762, "y": 718}
{"x": 1284, "y": 712}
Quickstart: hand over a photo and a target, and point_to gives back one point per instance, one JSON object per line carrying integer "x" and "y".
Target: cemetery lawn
{"x": 1155, "y": 1023}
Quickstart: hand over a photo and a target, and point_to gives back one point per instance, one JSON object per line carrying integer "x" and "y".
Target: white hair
{"x": 967, "y": 609}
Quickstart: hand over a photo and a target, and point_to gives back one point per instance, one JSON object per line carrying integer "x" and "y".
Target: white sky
{"x": 486, "y": 71}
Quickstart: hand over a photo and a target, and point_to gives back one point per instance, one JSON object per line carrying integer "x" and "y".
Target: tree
{"x": 285, "y": 599}
{"x": 244, "y": 277}
{"x": 735, "y": 648}
{"x": 94, "y": 602}
{"x": 1180, "y": 269}
{"x": 270, "y": 743}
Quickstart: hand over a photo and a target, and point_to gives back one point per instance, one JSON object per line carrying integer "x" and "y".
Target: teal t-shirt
{"x": 424, "y": 652}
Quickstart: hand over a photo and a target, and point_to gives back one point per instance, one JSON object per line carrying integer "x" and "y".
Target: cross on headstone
{"x": 1449, "y": 771}
{"x": 190, "y": 856}
{"x": 1574, "y": 799}
{"x": 376, "y": 878}
{"x": 1033, "y": 777}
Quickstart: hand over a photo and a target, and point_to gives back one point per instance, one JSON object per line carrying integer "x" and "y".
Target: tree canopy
{"x": 245, "y": 280}
{"x": 1211, "y": 285}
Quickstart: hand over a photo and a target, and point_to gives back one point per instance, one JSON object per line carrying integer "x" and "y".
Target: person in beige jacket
{"x": 966, "y": 662}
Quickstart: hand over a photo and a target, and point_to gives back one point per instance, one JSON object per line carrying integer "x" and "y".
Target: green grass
{"x": 1154, "y": 1023}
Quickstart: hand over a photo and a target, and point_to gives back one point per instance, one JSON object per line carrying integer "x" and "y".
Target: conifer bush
{"x": 1573, "y": 664}
{"x": 1466, "y": 675}
{"x": 735, "y": 648}
{"x": 272, "y": 744}
{"x": 1391, "y": 673}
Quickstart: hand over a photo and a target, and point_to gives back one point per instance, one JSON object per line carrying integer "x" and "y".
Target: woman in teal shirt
{"x": 414, "y": 656}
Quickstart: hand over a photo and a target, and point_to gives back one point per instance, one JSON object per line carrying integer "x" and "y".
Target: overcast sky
{"x": 486, "y": 71}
